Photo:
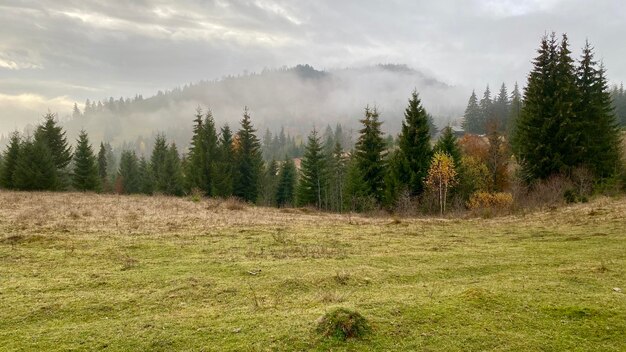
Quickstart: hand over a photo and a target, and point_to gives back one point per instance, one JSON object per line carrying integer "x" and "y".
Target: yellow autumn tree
{"x": 441, "y": 176}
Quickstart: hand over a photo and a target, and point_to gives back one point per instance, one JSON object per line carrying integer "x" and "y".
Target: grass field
{"x": 103, "y": 272}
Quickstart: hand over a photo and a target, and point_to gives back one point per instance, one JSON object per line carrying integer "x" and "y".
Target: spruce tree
{"x": 196, "y": 177}
{"x": 312, "y": 173}
{"x": 413, "y": 160}
{"x": 600, "y": 135}
{"x": 35, "y": 168}
{"x": 158, "y": 161}
{"x": 486, "y": 111}
{"x": 501, "y": 107}
{"x": 225, "y": 164}
{"x": 146, "y": 181}
{"x": 129, "y": 172}
{"x": 286, "y": 189}
{"x": 172, "y": 176}
{"x": 535, "y": 128}
{"x": 515, "y": 109}
{"x": 54, "y": 138}
{"x": 448, "y": 144}
{"x": 270, "y": 182}
{"x": 472, "y": 119}
{"x": 370, "y": 154}
{"x": 248, "y": 161}
{"x": 102, "y": 162}
{"x": 9, "y": 161}
{"x": 212, "y": 153}
{"x": 336, "y": 178}
{"x": 85, "y": 175}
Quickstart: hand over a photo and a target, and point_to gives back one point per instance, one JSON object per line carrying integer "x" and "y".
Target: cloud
{"x": 23, "y": 109}
{"x": 123, "y": 48}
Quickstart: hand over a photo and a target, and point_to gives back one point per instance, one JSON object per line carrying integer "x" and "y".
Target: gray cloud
{"x": 57, "y": 51}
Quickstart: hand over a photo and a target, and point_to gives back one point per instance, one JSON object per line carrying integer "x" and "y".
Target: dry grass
{"x": 125, "y": 273}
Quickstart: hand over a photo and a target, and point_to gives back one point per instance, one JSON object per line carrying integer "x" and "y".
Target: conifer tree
{"x": 172, "y": 176}
{"x": 501, "y": 107}
{"x": 129, "y": 172}
{"x": 158, "y": 161}
{"x": 472, "y": 119}
{"x": 486, "y": 111}
{"x": 9, "y": 161}
{"x": 196, "y": 177}
{"x": 515, "y": 109}
{"x": 357, "y": 194}
{"x": 146, "y": 181}
{"x": 370, "y": 154}
{"x": 225, "y": 164}
{"x": 102, "y": 162}
{"x": 497, "y": 159}
{"x": 270, "y": 182}
{"x": 35, "y": 169}
{"x": 248, "y": 161}
{"x": 312, "y": 173}
{"x": 212, "y": 153}
{"x": 448, "y": 144}
{"x": 336, "y": 178}
{"x": 415, "y": 151}
{"x": 286, "y": 189}
{"x": 85, "y": 175}
{"x": 54, "y": 138}
{"x": 600, "y": 135}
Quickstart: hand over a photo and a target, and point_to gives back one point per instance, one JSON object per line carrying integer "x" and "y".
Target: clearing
{"x": 126, "y": 273}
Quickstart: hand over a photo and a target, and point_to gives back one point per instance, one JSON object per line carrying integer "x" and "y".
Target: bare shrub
{"x": 490, "y": 203}
{"x": 546, "y": 193}
{"x": 233, "y": 203}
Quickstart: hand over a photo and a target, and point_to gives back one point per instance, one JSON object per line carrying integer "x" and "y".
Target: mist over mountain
{"x": 297, "y": 98}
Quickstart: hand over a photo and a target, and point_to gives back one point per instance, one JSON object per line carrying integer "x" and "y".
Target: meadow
{"x": 138, "y": 273}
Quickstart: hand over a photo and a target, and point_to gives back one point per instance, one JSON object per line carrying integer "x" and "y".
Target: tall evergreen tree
{"x": 172, "y": 176}
{"x": 415, "y": 151}
{"x": 448, "y": 144}
{"x": 312, "y": 173}
{"x": 225, "y": 164}
{"x": 146, "y": 181}
{"x": 248, "y": 161}
{"x": 270, "y": 182}
{"x": 486, "y": 110}
{"x": 370, "y": 154}
{"x": 53, "y": 136}
{"x": 35, "y": 169}
{"x": 129, "y": 172}
{"x": 286, "y": 189}
{"x": 336, "y": 178}
{"x": 158, "y": 161}
{"x": 85, "y": 175}
{"x": 472, "y": 119}
{"x": 515, "y": 109}
{"x": 501, "y": 107}
{"x": 102, "y": 162}
{"x": 9, "y": 161}
{"x": 600, "y": 136}
{"x": 196, "y": 177}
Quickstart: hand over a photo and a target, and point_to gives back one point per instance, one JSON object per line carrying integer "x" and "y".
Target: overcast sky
{"x": 56, "y": 52}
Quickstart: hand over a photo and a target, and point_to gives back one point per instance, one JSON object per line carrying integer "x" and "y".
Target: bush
{"x": 343, "y": 324}
{"x": 486, "y": 200}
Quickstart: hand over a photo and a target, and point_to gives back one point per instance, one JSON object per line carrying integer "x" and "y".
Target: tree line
{"x": 564, "y": 120}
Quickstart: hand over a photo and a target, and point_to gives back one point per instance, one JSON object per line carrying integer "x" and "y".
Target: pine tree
{"x": 501, "y": 107}
{"x": 129, "y": 172}
{"x": 285, "y": 191}
{"x": 600, "y": 135}
{"x": 448, "y": 144}
{"x": 270, "y": 182}
{"x": 54, "y": 138}
{"x": 472, "y": 119}
{"x": 196, "y": 177}
{"x": 158, "y": 161}
{"x": 370, "y": 154}
{"x": 357, "y": 197}
{"x": 248, "y": 161}
{"x": 336, "y": 178}
{"x": 535, "y": 129}
{"x": 172, "y": 176}
{"x": 85, "y": 176}
{"x": 515, "y": 109}
{"x": 35, "y": 168}
{"x": 225, "y": 164}
{"x": 312, "y": 173}
{"x": 146, "y": 181}
{"x": 102, "y": 162}
{"x": 9, "y": 161}
{"x": 415, "y": 151}
{"x": 212, "y": 153}
{"x": 486, "y": 111}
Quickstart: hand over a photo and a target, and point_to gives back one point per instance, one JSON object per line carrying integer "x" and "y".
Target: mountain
{"x": 297, "y": 98}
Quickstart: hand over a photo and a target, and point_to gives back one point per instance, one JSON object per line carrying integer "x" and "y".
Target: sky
{"x": 57, "y": 52}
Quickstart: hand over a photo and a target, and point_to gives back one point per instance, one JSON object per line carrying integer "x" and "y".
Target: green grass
{"x": 88, "y": 272}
